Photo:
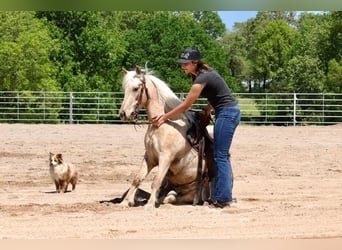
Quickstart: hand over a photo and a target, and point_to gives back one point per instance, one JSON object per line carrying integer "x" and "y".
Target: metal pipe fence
{"x": 290, "y": 109}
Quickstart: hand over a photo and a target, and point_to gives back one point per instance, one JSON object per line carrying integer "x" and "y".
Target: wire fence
{"x": 290, "y": 109}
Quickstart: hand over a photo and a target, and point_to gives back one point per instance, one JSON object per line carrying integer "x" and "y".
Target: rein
{"x": 139, "y": 98}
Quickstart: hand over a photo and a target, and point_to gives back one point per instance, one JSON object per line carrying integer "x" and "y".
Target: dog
{"x": 62, "y": 173}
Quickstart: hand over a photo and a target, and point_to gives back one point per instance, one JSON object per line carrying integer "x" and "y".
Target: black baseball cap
{"x": 189, "y": 54}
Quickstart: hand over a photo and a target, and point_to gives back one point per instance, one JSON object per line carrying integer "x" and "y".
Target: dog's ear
{"x": 51, "y": 154}
{"x": 59, "y": 158}
{"x": 124, "y": 70}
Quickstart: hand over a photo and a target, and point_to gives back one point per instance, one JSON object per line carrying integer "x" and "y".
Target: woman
{"x": 208, "y": 83}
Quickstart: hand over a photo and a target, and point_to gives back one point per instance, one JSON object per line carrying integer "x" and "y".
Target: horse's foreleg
{"x": 139, "y": 177}
{"x": 164, "y": 164}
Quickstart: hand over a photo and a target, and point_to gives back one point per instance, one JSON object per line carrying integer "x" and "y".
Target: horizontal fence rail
{"x": 288, "y": 109}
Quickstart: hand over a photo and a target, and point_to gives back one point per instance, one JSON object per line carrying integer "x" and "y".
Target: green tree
{"x": 287, "y": 16}
{"x": 313, "y": 37}
{"x": 235, "y": 46}
{"x": 334, "y": 77}
{"x": 335, "y": 36}
{"x": 211, "y": 23}
{"x": 25, "y": 50}
{"x": 92, "y": 48}
{"x": 159, "y": 37}
{"x": 272, "y": 51}
{"x": 320, "y": 39}
{"x": 255, "y": 57}
{"x": 302, "y": 74}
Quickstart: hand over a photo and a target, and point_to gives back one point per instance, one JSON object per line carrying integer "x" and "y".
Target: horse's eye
{"x": 135, "y": 89}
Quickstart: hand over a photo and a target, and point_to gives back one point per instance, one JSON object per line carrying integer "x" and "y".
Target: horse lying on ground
{"x": 166, "y": 147}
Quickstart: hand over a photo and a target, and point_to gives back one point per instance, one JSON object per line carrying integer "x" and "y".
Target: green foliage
{"x": 302, "y": 74}
{"x": 334, "y": 77}
{"x": 333, "y": 41}
{"x": 25, "y": 47}
{"x": 210, "y": 23}
{"x": 159, "y": 37}
{"x": 94, "y": 48}
{"x": 273, "y": 46}
{"x": 84, "y": 51}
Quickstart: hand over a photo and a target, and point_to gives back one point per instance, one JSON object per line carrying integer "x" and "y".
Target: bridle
{"x": 139, "y": 98}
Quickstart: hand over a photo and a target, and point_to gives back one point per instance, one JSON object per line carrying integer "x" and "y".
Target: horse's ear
{"x": 124, "y": 70}
{"x": 137, "y": 70}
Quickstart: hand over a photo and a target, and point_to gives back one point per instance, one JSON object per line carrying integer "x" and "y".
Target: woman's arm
{"x": 191, "y": 98}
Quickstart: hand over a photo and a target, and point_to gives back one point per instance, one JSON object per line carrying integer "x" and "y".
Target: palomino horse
{"x": 166, "y": 147}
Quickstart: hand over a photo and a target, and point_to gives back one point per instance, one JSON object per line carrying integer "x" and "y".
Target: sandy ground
{"x": 287, "y": 183}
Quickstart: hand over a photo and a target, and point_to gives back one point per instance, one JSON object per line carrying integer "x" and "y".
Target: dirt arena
{"x": 287, "y": 183}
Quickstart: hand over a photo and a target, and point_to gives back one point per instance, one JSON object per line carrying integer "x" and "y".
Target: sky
{"x": 231, "y": 17}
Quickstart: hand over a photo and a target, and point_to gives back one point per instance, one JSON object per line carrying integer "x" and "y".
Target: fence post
{"x": 323, "y": 104}
{"x": 18, "y": 106}
{"x": 294, "y": 108}
{"x": 266, "y": 110}
{"x": 44, "y": 105}
{"x": 98, "y": 108}
{"x": 70, "y": 107}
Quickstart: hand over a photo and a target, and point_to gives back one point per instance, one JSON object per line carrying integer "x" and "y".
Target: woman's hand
{"x": 158, "y": 120}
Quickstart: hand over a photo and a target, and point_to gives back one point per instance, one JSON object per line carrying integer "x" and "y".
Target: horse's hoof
{"x": 126, "y": 204}
{"x": 149, "y": 207}
{"x": 170, "y": 198}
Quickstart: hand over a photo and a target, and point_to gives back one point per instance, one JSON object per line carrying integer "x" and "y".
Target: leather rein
{"x": 139, "y": 99}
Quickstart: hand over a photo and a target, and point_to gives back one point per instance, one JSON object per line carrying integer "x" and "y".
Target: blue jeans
{"x": 227, "y": 119}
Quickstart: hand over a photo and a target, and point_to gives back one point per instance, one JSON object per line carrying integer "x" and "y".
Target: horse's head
{"x": 146, "y": 91}
{"x": 136, "y": 94}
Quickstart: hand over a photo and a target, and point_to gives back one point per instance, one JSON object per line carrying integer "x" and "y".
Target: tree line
{"x": 277, "y": 51}
{"x": 85, "y": 51}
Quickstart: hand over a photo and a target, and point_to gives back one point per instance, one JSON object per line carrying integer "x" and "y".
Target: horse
{"x": 166, "y": 147}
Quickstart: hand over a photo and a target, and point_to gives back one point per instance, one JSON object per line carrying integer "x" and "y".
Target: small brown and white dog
{"x": 62, "y": 173}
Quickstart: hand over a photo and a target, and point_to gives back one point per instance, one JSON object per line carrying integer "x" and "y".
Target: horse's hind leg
{"x": 139, "y": 177}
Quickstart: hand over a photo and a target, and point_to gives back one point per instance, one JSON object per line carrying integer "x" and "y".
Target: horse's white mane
{"x": 167, "y": 96}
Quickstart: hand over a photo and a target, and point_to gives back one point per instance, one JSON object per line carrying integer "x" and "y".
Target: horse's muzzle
{"x": 124, "y": 117}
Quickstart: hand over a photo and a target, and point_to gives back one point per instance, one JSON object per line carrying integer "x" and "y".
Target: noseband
{"x": 140, "y": 98}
